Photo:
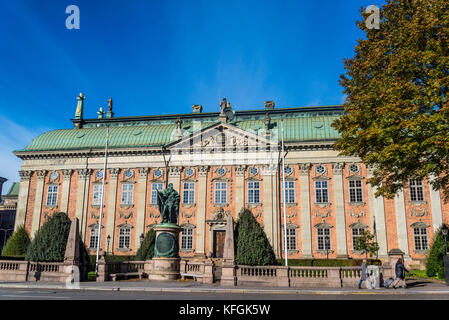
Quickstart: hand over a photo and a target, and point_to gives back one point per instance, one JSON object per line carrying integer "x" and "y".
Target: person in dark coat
{"x": 400, "y": 271}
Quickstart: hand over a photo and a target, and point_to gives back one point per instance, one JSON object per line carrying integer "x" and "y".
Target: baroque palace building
{"x": 220, "y": 162}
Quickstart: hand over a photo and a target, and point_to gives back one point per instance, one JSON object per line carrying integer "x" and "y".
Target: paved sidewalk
{"x": 421, "y": 286}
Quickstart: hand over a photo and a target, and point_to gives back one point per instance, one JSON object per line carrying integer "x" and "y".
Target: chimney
{"x": 269, "y": 105}
{"x": 197, "y": 108}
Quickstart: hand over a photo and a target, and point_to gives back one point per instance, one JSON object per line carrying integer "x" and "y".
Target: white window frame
{"x": 289, "y": 190}
{"x": 322, "y": 233}
{"x": 52, "y": 195}
{"x": 416, "y": 190}
{"x": 187, "y": 239}
{"x": 253, "y": 191}
{"x": 96, "y": 194}
{"x": 421, "y": 239}
{"x": 188, "y": 193}
{"x": 93, "y": 238}
{"x": 355, "y": 190}
{"x": 127, "y": 193}
{"x": 291, "y": 239}
{"x": 356, "y": 233}
{"x": 221, "y": 192}
{"x": 124, "y": 238}
{"x": 321, "y": 192}
{"x": 158, "y": 186}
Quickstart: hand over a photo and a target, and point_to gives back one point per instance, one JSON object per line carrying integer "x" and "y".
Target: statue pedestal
{"x": 166, "y": 261}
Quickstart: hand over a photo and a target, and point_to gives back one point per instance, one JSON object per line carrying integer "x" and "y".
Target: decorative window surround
{"x": 323, "y": 204}
{"x": 357, "y": 204}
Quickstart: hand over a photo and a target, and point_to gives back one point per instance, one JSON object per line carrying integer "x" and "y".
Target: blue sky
{"x": 156, "y": 57}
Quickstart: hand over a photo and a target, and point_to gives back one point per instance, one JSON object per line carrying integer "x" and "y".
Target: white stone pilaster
{"x": 269, "y": 204}
{"x": 65, "y": 190}
{"x": 306, "y": 225}
{"x": 201, "y": 211}
{"x": 401, "y": 222}
{"x": 141, "y": 205}
{"x": 377, "y": 213}
{"x": 38, "y": 202}
{"x": 112, "y": 203}
{"x": 435, "y": 203}
{"x": 82, "y": 199}
{"x": 22, "y": 202}
{"x": 239, "y": 188}
{"x": 337, "y": 169}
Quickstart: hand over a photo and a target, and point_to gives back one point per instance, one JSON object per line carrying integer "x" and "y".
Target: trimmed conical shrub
{"x": 50, "y": 241}
{"x": 146, "y": 250}
{"x": 17, "y": 244}
{"x": 434, "y": 262}
{"x": 252, "y": 245}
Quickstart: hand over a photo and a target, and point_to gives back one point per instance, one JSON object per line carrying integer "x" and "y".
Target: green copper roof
{"x": 13, "y": 190}
{"x": 300, "y": 124}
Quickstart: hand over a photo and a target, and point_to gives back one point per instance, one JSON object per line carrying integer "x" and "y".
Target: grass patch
{"x": 420, "y": 274}
{"x": 91, "y": 276}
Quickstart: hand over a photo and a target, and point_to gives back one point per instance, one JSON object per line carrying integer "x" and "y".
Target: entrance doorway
{"x": 219, "y": 241}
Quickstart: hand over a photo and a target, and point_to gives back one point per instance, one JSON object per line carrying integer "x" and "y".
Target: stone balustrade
{"x": 33, "y": 271}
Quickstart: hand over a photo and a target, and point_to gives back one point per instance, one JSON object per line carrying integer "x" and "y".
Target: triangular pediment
{"x": 223, "y": 137}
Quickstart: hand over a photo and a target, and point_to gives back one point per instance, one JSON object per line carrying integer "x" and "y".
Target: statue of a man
{"x": 168, "y": 203}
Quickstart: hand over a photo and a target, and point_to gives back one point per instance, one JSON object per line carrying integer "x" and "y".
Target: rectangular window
{"x": 291, "y": 239}
{"x": 289, "y": 191}
{"x": 187, "y": 239}
{"x": 221, "y": 189}
{"x": 416, "y": 190}
{"x": 355, "y": 191}
{"x": 253, "y": 192}
{"x": 324, "y": 242}
{"x": 356, "y": 233}
{"x": 154, "y": 188}
{"x": 188, "y": 195}
{"x": 52, "y": 195}
{"x": 93, "y": 240}
{"x": 321, "y": 192}
{"x": 124, "y": 238}
{"x": 96, "y": 197}
{"x": 127, "y": 193}
{"x": 420, "y": 235}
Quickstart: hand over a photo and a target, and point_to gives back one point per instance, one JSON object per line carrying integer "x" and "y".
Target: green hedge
{"x": 328, "y": 262}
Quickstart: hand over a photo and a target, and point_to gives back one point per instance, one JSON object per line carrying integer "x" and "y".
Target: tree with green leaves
{"x": 50, "y": 241}
{"x": 252, "y": 245}
{"x": 146, "y": 250}
{"x": 17, "y": 244}
{"x": 366, "y": 243}
{"x": 434, "y": 262}
{"x": 397, "y": 87}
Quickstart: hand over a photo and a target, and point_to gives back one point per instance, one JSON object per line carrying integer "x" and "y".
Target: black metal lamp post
{"x": 108, "y": 240}
{"x": 445, "y": 230}
{"x": 327, "y": 244}
{"x": 141, "y": 238}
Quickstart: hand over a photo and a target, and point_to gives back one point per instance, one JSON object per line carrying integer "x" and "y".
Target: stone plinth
{"x": 165, "y": 269}
{"x": 166, "y": 261}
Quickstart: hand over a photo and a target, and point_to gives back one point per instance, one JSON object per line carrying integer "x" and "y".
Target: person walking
{"x": 363, "y": 274}
{"x": 400, "y": 271}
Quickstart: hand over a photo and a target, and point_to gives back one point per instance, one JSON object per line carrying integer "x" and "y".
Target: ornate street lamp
{"x": 141, "y": 238}
{"x": 108, "y": 240}
{"x": 327, "y": 244}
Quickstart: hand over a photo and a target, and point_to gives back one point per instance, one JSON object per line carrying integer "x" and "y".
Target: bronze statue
{"x": 168, "y": 203}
